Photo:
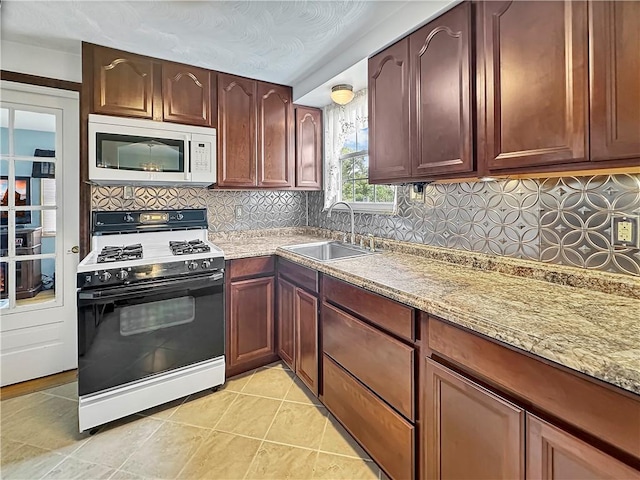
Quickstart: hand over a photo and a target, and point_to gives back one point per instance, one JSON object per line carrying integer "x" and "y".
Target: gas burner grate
{"x": 186, "y": 248}
{"x": 120, "y": 253}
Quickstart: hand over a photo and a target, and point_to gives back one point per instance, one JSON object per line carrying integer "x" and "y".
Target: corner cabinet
{"x": 297, "y": 321}
{"x": 533, "y": 59}
{"x": 308, "y": 147}
{"x": 123, "y": 83}
{"x": 256, "y": 134}
{"x": 389, "y": 122}
{"x": 186, "y": 94}
{"x": 250, "y": 339}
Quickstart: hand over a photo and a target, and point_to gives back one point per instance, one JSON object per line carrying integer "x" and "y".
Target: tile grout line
{"x": 162, "y": 422}
{"x": 267, "y": 431}
{"x": 212, "y": 430}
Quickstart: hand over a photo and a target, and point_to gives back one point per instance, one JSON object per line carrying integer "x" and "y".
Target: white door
{"x": 39, "y": 177}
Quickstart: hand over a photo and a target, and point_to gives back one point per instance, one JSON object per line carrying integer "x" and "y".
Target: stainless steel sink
{"x": 326, "y": 251}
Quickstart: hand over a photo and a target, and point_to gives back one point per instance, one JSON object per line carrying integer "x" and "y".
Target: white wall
{"x": 44, "y": 62}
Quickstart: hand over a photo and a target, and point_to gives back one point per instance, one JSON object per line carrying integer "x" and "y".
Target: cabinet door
{"x": 275, "y": 136}
{"x": 186, "y": 93}
{"x": 554, "y": 454}
{"x": 389, "y": 149}
{"x": 532, "y": 58}
{"x": 236, "y": 131}
{"x": 122, "y": 83}
{"x": 442, "y": 94}
{"x": 470, "y": 432}
{"x": 615, "y": 80}
{"x": 251, "y": 322}
{"x": 286, "y": 322}
{"x": 306, "y": 313}
{"x": 308, "y": 148}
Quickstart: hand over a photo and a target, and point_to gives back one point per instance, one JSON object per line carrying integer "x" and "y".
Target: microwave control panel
{"x": 203, "y": 158}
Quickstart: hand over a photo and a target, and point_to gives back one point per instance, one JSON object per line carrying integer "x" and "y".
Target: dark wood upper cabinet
{"x": 470, "y": 432}
{"x": 532, "y": 57}
{"x": 615, "y": 80}
{"x": 389, "y": 120}
{"x": 275, "y": 136}
{"x": 553, "y": 454}
{"x": 308, "y": 148}
{"x": 122, "y": 83}
{"x": 236, "y": 131}
{"x": 186, "y": 94}
{"x": 442, "y": 94}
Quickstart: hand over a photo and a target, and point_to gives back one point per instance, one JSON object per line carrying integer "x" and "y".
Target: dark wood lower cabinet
{"x": 298, "y": 332}
{"x": 555, "y": 454}
{"x": 286, "y": 322}
{"x": 471, "y": 433}
{"x": 386, "y": 436}
{"x": 250, "y": 324}
{"x": 306, "y": 315}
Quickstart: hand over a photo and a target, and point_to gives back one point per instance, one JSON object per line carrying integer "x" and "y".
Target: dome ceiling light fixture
{"x": 342, "y": 94}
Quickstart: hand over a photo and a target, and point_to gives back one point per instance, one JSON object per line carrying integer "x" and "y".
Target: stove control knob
{"x": 88, "y": 279}
{"x": 192, "y": 265}
{"x": 206, "y": 264}
{"x": 104, "y": 276}
{"x": 179, "y": 216}
{"x": 122, "y": 275}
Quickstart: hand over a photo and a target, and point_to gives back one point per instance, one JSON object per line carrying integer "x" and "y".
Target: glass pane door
{"x": 29, "y": 216}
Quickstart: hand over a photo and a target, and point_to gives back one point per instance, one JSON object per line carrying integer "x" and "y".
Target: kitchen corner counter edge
{"x": 588, "y": 329}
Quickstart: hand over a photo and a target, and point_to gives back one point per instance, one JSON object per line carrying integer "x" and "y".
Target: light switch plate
{"x": 624, "y": 230}
{"x": 238, "y": 212}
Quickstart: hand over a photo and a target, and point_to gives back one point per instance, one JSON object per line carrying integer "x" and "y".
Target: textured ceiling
{"x": 278, "y": 41}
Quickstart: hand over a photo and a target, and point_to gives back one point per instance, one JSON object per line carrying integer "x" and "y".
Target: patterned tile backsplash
{"x": 259, "y": 209}
{"x": 561, "y": 220}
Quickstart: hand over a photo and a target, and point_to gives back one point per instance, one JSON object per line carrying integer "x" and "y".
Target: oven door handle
{"x": 127, "y": 291}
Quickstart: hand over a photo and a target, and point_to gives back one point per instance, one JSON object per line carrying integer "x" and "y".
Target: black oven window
{"x": 148, "y": 317}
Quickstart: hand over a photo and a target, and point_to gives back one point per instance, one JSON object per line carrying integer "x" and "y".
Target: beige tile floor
{"x": 261, "y": 425}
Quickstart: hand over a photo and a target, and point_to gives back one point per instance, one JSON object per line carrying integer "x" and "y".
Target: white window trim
{"x": 388, "y": 208}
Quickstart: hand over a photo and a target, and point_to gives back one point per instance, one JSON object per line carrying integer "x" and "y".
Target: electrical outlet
{"x": 624, "y": 230}
{"x": 129, "y": 193}
{"x": 238, "y": 212}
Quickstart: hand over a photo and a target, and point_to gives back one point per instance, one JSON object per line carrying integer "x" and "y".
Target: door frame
{"x": 29, "y": 331}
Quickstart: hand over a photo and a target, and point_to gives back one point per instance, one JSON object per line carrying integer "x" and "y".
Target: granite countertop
{"x": 589, "y": 331}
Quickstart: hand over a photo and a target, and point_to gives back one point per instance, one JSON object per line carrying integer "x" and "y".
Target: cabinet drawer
{"x": 390, "y": 315}
{"x": 381, "y": 362}
{"x": 245, "y": 267}
{"x": 301, "y": 276}
{"x": 386, "y": 436}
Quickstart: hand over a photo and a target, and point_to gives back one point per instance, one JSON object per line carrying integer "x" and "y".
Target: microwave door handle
{"x": 187, "y": 159}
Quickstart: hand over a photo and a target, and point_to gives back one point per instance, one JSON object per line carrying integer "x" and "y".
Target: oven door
{"x": 128, "y": 333}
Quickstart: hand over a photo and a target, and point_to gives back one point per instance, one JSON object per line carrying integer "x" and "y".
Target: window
{"x": 354, "y": 173}
{"x": 347, "y": 159}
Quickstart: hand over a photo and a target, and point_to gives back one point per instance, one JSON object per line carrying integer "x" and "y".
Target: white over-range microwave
{"x": 127, "y": 151}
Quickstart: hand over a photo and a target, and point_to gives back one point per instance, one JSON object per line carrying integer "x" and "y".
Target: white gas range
{"x": 150, "y": 313}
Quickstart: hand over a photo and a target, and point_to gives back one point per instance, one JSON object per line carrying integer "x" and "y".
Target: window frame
{"x": 364, "y": 207}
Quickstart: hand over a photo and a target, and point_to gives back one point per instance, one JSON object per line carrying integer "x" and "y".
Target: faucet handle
{"x": 372, "y": 244}
{"x": 344, "y": 237}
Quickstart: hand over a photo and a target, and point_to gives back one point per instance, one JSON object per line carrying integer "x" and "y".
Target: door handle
{"x": 74, "y": 249}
